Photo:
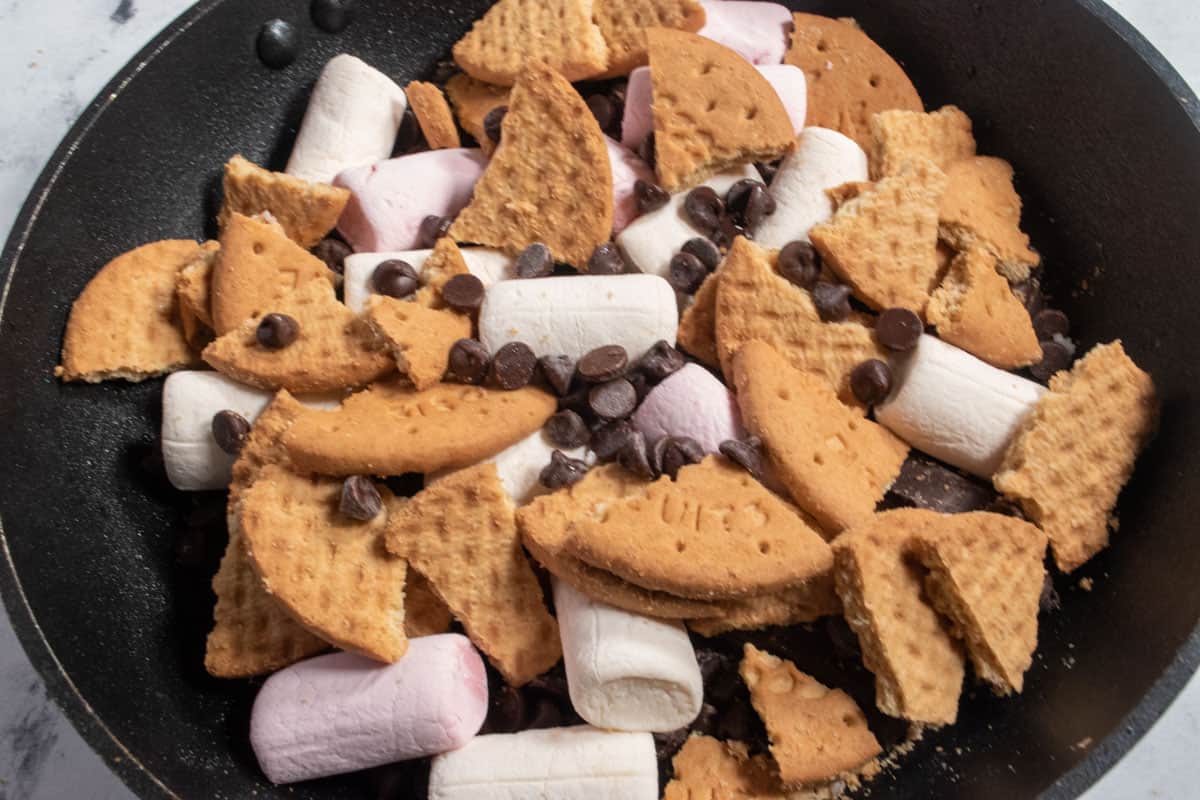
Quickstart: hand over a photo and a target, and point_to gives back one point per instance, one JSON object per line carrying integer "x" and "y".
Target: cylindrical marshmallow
{"x": 579, "y": 763}
{"x": 624, "y": 671}
{"x": 520, "y": 465}
{"x": 341, "y": 712}
{"x": 957, "y": 408}
{"x": 690, "y": 403}
{"x": 757, "y": 31}
{"x": 573, "y": 315}
{"x": 190, "y": 400}
{"x": 351, "y": 119}
{"x": 822, "y": 160}
{"x": 486, "y": 264}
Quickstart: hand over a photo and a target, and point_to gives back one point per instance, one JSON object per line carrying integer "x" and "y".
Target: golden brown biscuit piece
{"x": 816, "y": 733}
{"x": 624, "y": 24}
{"x": 884, "y": 242}
{"x": 193, "y": 284}
{"x": 257, "y": 268}
{"x": 1076, "y": 450}
{"x": 461, "y": 533}
{"x": 850, "y": 78}
{"x": 420, "y": 338}
{"x": 981, "y": 208}
{"x": 708, "y": 769}
{"x": 549, "y": 181}
{"x": 835, "y": 464}
{"x": 306, "y": 210}
{"x": 125, "y": 324}
{"x": 805, "y": 602}
{"x": 334, "y": 350}
{"x": 391, "y": 428}
{"x": 433, "y": 115}
{"x": 941, "y": 137}
{"x": 918, "y": 666}
{"x": 473, "y": 100}
{"x": 755, "y": 302}
{"x": 516, "y": 33}
{"x": 332, "y": 573}
{"x": 712, "y": 109}
{"x": 986, "y": 575}
{"x": 712, "y": 533}
{"x": 424, "y": 612}
{"x": 698, "y": 324}
{"x": 975, "y": 309}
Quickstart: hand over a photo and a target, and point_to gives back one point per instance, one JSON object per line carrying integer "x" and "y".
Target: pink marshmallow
{"x": 627, "y": 169}
{"x": 757, "y": 31}
{"x": 341, "y": 712}
{"x": 690, "y": 403}
{"x": 391, "y": 198}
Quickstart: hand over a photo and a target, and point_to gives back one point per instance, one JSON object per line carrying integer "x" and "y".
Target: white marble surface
{"x": 55, "y": 56}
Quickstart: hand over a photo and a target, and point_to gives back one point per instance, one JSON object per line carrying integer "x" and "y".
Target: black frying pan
{"x": 106, "y": 568}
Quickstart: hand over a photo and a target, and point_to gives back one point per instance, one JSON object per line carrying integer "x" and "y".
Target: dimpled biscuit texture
{"x": 712, "y": 109}
{"x": 918, "y": 667}
{"x": 986, "y": 575}
{"x": 697, "y": 325}
{"x": 713, "y": 533}
{"x": 433, "y": 115}
{"x": 473, "y": 100}
{"x": 942, "y": 137}
{"x": 835, "y": 464}
{"x": 461, "y": 533}
{"x": 755, "y": 302}
{"x": 624, "y": 23}
{"x": 334, "y": 350}
{"x": 884, "y": 242}
{"x": 709, "y": 769}
{"x": 805, "y": 602}
{"x": 420, "y": 338}
{"x": 331, "y": 572}
{"x": 981, "y": 207}
{"x": 194, "y": 281}
{"x": 816, "y": 733}
{"x": 390, "y": 428}
{"x": 306, "y": 210}
{"x": 549, "y": 181}
{"x": 125, "y": 323}
{"x": 1077, "y": 449}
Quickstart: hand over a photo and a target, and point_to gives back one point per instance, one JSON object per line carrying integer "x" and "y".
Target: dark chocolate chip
{"x": 433, "y": 228}
{"x": 567, "y": 429}
{"x": 679, "y": 452}
{"x": 535, "y": 261}
{"x": 277, "y": 331}
{"x": 686, "y": 273}
{"x": 278, "y": 43}
{"x": 899, "y": 329}
{"x": 360, "y": 499}
{"x": 749, "y": 203}
{"x": 562, "y": 470}
{"x": 656, "y": 453}
{"x": 513, "y": 366}
{"x": 1049, "y": 599}
{"x": 608, "y": 439}
{"x": 927, "y": 484}
{"x": 735, "y": 198}
{"x": 558, "y": 372}
{"x": 409, "y": 137}
{"x": 703, "y": 208}
{"x": 577, "y": 400}
{"x": 1029, "y": 292}
{"x": 871, "y": 381}
{"x": 768, "y": 171}
{"x": 641, "y": 384}
{"x": 649, "y": 196}
{"x": 332, "y": 16}
{"x": 395, "y": 278}
{"x": 647, "y": 151}
{"x": 799, "y": 263}
{"x": 602, "y": 109}
{"x": 746, "y": 454}
{"x": 635, "y": 457}
{"x": 615, "y": 399}
{"x": 1050, "y": 321}
{"x": 492, "y": 123}
{"x": 333, "y": 252}
{"x": 661, "y": 361}
{"x": 703, "y": 249}
{"x": 463, "y": 293}
{"x": 603, "y": 363}
{"x": 468, "y": 362}
{"x": 1055, "y": 357}
{"x": 229, "y": 431}
{"x": 607, "y": 259}
{"x": 832, "y": 301}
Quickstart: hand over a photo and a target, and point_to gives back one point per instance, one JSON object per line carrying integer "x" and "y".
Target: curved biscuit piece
{"x": 125, "y": 323}
{"x": 331, "y": 572}
{"x": 805, "y": 602}
{"x": 697, "y": 324}
{"x": 709, "y": 769}
{"x": 942, "y": 137}
{"x": 258, "y": 266}
{"x": 433, "y": 115}
{"x": 755, "y": 302}
{"x": 390, "y": 428}
{"x": 549, "y": 181}
{"x": 981, "y": 207}
{"x": 835, "y": 464}
{"x": 712, "y": 109}
{"x": 816, "y": 733}
{"x": 975, "y": 309}
{"x": 334, "y": 350}
{"x": 624, "y": 24}
{"x": 461, "y": 533}
{"x": 1077, "y": 449}
{"x": 850, "y": 78}
{"x": 516, "y": 33}
{"x": 306, "y": 210}
{"x": 420, "y": 338}
{"x": 472, "y": 101}
{"x": 712, "y": 533}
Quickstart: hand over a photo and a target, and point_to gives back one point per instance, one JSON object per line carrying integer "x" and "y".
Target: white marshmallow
{"x": 579, "y": 763}
{"x": 653, "y": 239}
{"x": 573, "y": 315}
{"x": 520, "y": 465}
{"x": 625, "y": 671}
{"x": 755, "y": 30}
{"x": 822, "y": 160}
{"x": 351, "y": 119}
{"x": 957, "y": 408}
{"x": 486, "y": 264}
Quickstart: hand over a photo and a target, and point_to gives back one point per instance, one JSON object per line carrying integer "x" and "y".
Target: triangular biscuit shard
{"x": 709, "y": 769}
{"x": 306, "y": 210}
{"x": 712, "y": 109}
{"x": 942, "y": 137}
{"x": 981, "y": 208}
{"x": 420, "y": 338}
{"x": 549, "y": 181}
{"x": 624, "y": 23}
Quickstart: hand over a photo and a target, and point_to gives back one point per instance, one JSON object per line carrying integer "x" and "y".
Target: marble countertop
{"x": 56, "y": 57}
